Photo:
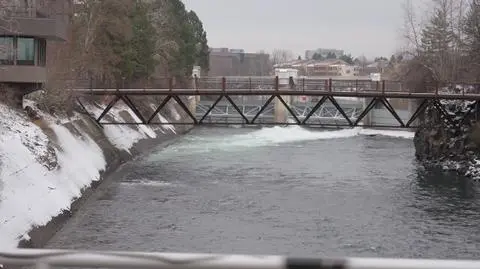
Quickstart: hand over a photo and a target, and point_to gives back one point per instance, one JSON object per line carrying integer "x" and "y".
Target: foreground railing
{"x": 44, "y": 259}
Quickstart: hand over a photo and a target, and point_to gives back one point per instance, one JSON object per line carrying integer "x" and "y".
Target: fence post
{"x": 224, "y": 83}
{"x": 383, "y": 86}
{"x": 330, "y": 85}
{"x": 277, "y": 86}
{"x": 195, "y": 82}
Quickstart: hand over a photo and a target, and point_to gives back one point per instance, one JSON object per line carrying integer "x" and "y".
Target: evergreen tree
{"x": 331, "y": 55}
{"x": 347, "y": 58}
{"x": 438, "y": 37}
{"x": 137, "y": 53}
{"x": 438, "y": 44}
{"x": 202, "y": 51}
{"x": 318, "y": 57}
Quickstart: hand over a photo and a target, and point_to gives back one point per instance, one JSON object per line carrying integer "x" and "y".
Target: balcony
{"x": 22, "y": 59}
{"x": 31, "y": 22}
{"x": 22, "y": 74}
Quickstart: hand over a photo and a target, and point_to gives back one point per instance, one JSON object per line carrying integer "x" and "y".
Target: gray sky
{"x": 369, "y": 27}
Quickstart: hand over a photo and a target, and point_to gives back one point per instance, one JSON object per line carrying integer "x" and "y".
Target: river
{"x": 286, "y": 191}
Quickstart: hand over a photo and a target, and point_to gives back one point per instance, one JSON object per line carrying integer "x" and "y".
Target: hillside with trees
{"x": 446, "y": 46}
{"x": 126, "y": 41}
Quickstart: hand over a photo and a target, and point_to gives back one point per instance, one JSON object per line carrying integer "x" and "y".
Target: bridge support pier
{"x": 281, "y": 112}
{"x": 367, "y": 120}
{"x": 285, "y": 79}
{"x": 194, "y": 99}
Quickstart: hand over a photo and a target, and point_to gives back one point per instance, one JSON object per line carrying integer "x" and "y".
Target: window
{"x": 7, "y": 52}
{"x": 25, "y": 51}
{"x": 42, "y": 52}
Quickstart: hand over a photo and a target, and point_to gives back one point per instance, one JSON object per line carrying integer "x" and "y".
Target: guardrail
{"x": 46, "y": 258}
{"x": 273, "y": 83}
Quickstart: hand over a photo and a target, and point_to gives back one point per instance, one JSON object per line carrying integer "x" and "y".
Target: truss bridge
{"x": 276, "y": 101}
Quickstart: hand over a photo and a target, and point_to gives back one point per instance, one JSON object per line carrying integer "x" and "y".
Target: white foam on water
{"x": 145, "y": 182}
{"x": 390, "y": 133}
{"x": 272, "y": 136}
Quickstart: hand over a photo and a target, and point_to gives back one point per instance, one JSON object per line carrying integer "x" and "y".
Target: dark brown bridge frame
{"x": 428, "y": 99}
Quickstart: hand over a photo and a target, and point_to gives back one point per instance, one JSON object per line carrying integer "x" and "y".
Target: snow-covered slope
{"x": 44, "y": 166}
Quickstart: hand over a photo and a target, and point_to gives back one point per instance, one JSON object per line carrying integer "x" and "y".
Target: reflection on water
{"x": 282, "y": 191}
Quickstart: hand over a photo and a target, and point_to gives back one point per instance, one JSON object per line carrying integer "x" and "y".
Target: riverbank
{"x": 452, "y": 144}
{"x": 51, "y": 164}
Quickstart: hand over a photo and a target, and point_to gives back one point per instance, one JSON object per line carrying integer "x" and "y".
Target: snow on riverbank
{"x": 124, "y": 137}
{"x": 32, "y": 190}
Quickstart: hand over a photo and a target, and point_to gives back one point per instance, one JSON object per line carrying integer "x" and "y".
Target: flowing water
{"x": 286, "y": 191}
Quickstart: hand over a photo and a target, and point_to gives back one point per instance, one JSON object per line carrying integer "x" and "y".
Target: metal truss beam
{"x": 270, "y": 99}
{"x": 443, "y": 112}
{"x": 392, "y": 111}
{"x": 337, "y": 106}
{"x": 420, "y": 109}
{"x": 185, "y": 108}
{"x": 352, "y": 121}
{"x": 364, "y": 113}
{"x": 288, "y": 108}
{"x": 107, "y": 109}
{"x": 210, "y": 109}
{"x": 162, "y": 105}
{"x": 314, "y": 109}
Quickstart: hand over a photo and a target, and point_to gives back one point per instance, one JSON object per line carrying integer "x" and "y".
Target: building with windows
{"x": 236, "y": 62}
{"x": 322, "y": 68}
{"x": 25, "y": 28}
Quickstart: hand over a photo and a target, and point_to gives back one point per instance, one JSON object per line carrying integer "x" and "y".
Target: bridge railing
{"x": 271, "y": 82}
{"x": 44, "y": 259}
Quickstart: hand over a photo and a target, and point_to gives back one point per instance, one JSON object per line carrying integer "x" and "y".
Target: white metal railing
{"x": 46, "y": 258}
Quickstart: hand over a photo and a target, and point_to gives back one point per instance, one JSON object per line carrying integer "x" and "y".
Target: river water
{"x": 286, "y": 191}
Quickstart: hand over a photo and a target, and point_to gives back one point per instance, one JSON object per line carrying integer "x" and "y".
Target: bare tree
{"x": 280, "y": 56}
{"x": 436, "y": 44}
{"x": 166, "y": 46}
{"x": 6, "y": 26}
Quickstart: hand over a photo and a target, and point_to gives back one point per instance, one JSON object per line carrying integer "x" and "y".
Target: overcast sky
{"x": 368, "y": 27}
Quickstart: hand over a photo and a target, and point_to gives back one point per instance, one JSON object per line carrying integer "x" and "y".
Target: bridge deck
{"x": 249, "y": 92}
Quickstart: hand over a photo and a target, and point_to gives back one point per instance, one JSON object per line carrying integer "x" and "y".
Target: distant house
{"x": 325, "y": 68}
{"x": 376, "y": 67}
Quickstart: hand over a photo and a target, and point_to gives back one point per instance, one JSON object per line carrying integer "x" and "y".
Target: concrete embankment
{"x": 50, "y": 165}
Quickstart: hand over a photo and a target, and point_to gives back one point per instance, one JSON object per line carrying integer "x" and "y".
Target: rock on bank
{"x": 451, "y": 141}
{"x": 47, "y": 163}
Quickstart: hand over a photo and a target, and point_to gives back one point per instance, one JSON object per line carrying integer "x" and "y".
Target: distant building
{"x": 328, "y": 68}
{"x": 235, "y": 62}
{"x": 376, "y": 67}
{"x": 26, "y": 29}
{"x": 324, "y": 52}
